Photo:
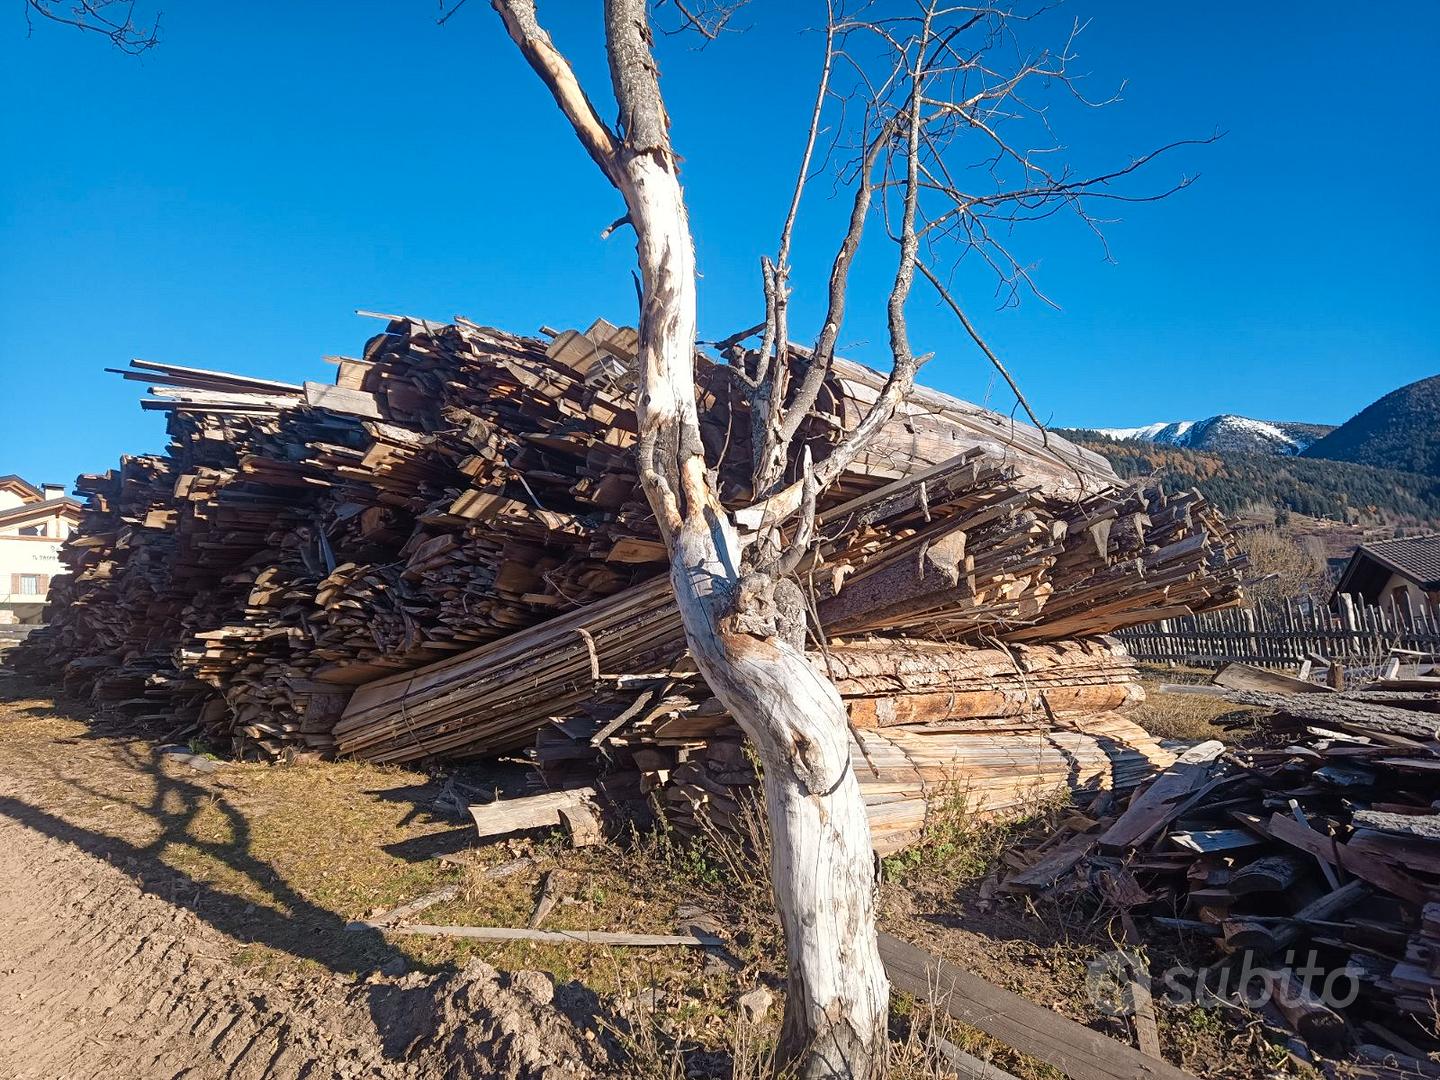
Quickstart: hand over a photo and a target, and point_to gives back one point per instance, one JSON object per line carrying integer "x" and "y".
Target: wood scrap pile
{"x": 455, "y": 528}
{"x": 1306, "y": 865}
{"x": 996, "y": 729}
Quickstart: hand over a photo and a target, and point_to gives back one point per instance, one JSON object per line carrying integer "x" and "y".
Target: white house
{"x": 34, "y": 522}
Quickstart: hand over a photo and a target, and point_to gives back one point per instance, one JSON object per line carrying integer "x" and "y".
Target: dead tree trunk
{"x": 821, "y": 862}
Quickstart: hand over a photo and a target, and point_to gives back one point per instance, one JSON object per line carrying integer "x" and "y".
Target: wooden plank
{"x": 1285, "y": 828}
{"x": 1160, "y": 802}
{"x": 1033, "y": 1030}
{"x": 1054, "y": 863}
{"x": 342, "y": 399}
{"x": 560, "y": 937}
{"x": 1245, "y": 677}
{"x": 967, "y": 1066}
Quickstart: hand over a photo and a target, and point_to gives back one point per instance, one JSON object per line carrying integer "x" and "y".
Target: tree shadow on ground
{"x": 286, "y": 921}
{"x": 131, "y": 777}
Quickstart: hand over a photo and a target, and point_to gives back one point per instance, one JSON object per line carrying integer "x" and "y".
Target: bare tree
{"x": 114, "y": 19}
{"x": 935, "y": 127}
{"x": 1282, "y": 566}
{"x": 922, "y": 82}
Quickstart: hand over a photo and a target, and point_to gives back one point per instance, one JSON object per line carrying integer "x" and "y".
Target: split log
{"x": 506, "y": 816}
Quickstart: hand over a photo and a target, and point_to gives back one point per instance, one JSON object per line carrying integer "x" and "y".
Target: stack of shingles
{"x": 1317, "y": 846}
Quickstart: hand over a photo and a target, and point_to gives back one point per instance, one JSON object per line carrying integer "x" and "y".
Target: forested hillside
{"x": 1400, "y": 431}
{"x": 1336, "y": 490}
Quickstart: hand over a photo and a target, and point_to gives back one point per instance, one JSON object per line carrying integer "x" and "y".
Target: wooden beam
{"x": 1033, "y": 1030}
{"x": 560, "y": 937}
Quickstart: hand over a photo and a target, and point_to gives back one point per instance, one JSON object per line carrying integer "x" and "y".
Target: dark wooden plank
{"x": 1159, "y": 803}
{"x": 1285, "y": 828}
{"x": 1415, "y": 826}
{"x": 1074, "y": 1049}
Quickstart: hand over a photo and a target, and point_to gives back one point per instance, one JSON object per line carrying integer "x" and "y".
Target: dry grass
{"x": 281, "y": 857}
{"x": 958, "y": 847}
{"x": 1189, "y": 717}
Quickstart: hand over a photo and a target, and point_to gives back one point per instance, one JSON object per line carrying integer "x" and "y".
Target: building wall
{"x": 1398, "y": 587}
{"x": 10, "y": 499}
{"x": 24, "y": 561}
{"x": 57, "y": 526}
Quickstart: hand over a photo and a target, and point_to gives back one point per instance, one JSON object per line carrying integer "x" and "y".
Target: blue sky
{"x": 230, "y": 198}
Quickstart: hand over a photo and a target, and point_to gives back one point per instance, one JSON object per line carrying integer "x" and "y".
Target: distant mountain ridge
{"x": 1225, "y": 433}
{"x": 1400, "y": 431}
{"x": 1241, "y": 482}
{"x": 1380, "y": 468}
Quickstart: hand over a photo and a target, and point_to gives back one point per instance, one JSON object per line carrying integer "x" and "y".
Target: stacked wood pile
{"x": 955, "y": 552}
{"x": 995, "y": 729}
{"x": 456, "y": 529}
{"x": 1316, "y": 844}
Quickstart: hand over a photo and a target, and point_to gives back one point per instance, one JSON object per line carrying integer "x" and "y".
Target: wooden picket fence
{"x": 1286, "y": 636}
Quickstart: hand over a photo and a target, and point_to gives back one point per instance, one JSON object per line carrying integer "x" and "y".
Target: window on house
{"x": 34, "y": 530}
{"x": 29, "y": 584}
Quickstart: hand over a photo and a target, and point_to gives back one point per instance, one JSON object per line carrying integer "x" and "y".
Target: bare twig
{"x": 112, "y": 19}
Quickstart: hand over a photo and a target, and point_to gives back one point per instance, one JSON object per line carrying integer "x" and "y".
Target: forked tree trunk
{"x": 821, "y": 864}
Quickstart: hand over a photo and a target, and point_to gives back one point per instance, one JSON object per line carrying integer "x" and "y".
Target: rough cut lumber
{"x": 1246, "y": 677}
{"x": 458, "y": 486}
{"x": 1160, "y": 802}
{"x": 1419, "y": 826}
{"x": 1031, "y": 1029}
{"x": 559, "y": 937}
{"x": 1284, "y": 827}
{"x": 394, "y": 916}
{"x": 967, "y": 1066}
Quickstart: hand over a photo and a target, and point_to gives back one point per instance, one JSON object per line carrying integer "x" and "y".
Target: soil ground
{"x": 160, "y": 920}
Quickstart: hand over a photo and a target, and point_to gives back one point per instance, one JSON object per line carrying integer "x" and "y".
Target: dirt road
{"x": 104, "y": 974}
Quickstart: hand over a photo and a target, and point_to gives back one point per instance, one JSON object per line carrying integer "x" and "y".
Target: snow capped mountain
{"x": 1226, "y": 432}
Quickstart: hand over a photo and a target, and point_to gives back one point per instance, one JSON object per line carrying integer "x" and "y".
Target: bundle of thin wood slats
{"x": 1309, "y": 855}
{"x": 456, "y": 529}
{"x": 986, "y": 729}
{"x": 954, "y": 551}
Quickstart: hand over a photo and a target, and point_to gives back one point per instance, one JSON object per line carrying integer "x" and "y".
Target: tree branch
{"x": 90, "y": 16}
{"x": 558, "y": 76}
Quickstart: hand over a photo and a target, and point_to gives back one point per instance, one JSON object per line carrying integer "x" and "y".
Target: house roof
{"x": 1414, "y": 557}
{"x": 21, "y": 487}
{"x": 71, "y": 507}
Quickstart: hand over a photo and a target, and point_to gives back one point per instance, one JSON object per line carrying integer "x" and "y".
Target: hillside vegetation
{"x": 1236, "y": 482}
{"x": 1400, "y": 431}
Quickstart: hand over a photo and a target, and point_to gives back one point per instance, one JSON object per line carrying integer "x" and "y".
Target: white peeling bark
{"x": 821, "y": 863}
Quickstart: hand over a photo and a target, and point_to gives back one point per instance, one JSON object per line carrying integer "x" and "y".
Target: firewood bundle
{"x": 448, "y": 549}
{"x": 1309, "y": 858}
